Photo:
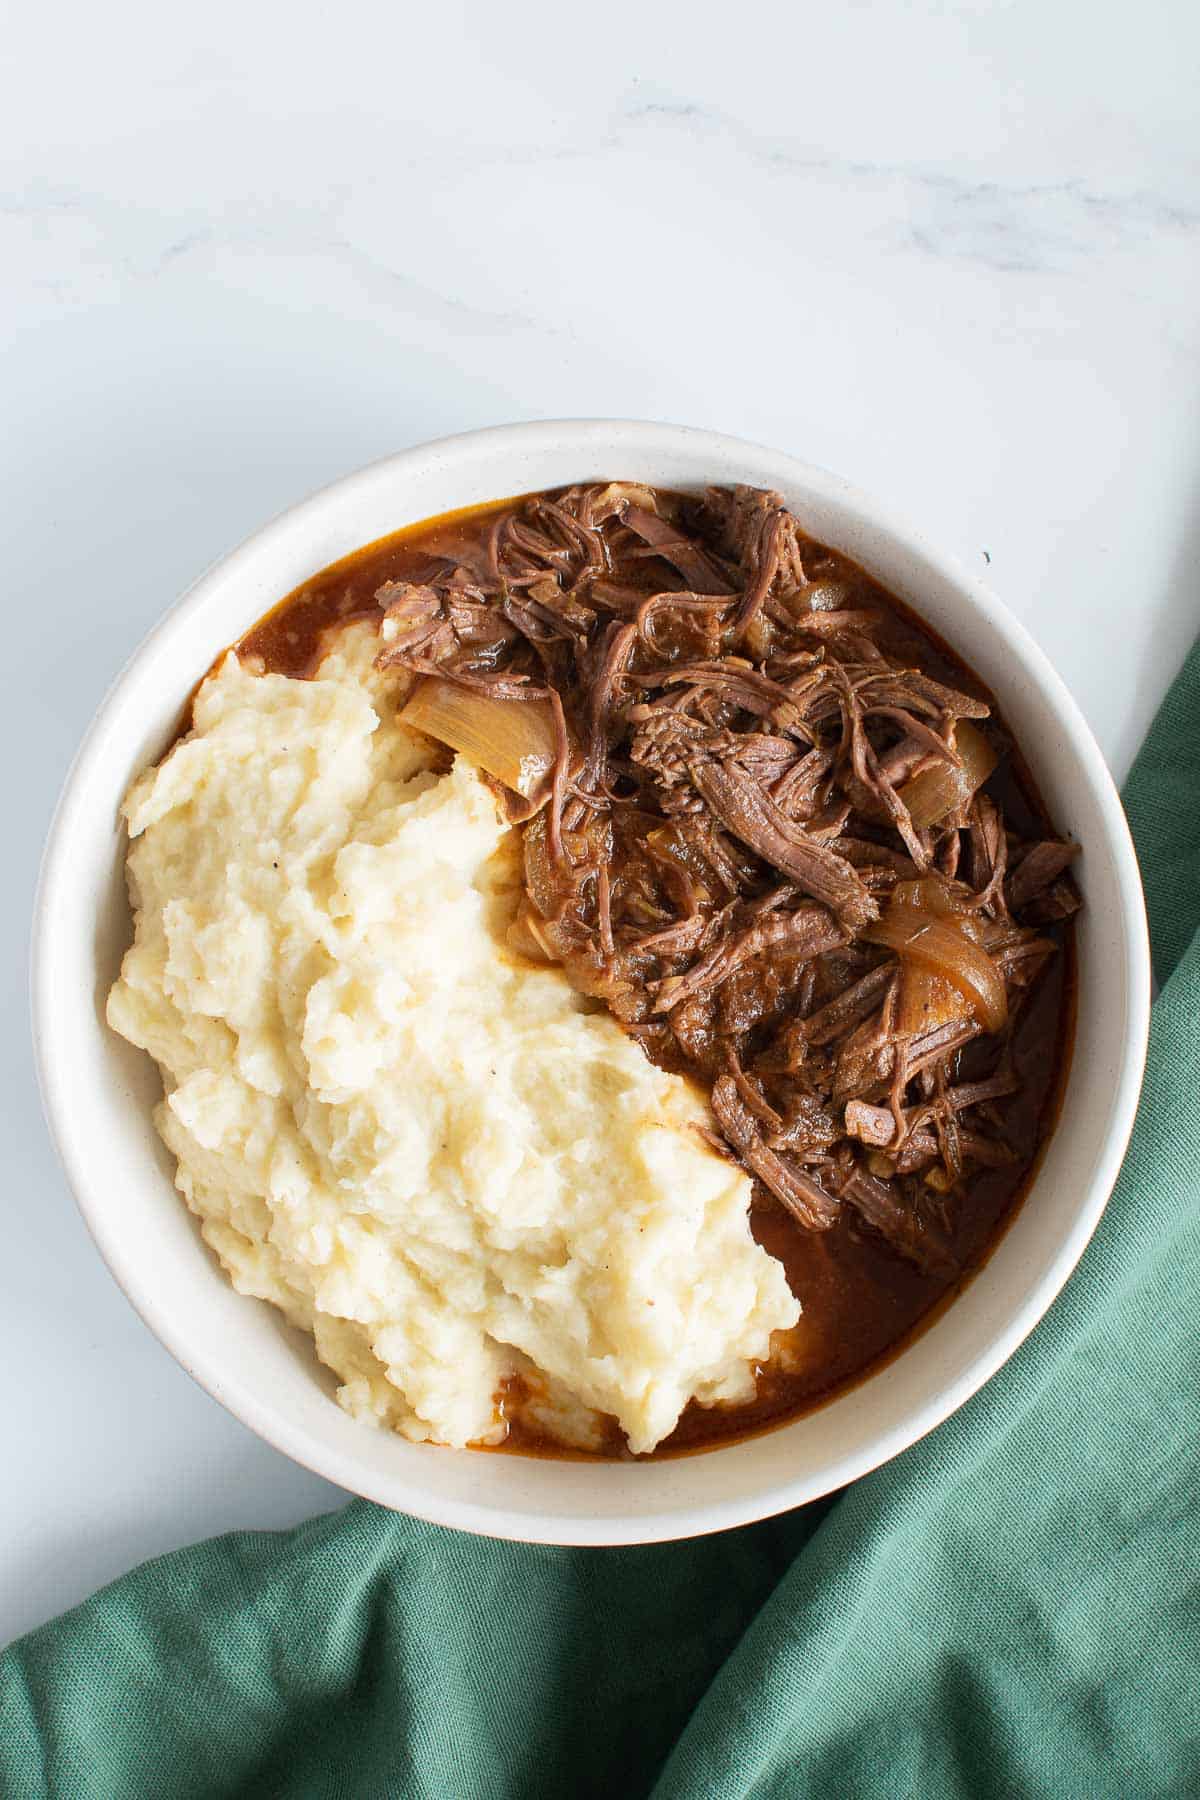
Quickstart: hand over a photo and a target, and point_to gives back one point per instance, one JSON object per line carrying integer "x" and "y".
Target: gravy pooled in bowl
{"x": 609, "y": 968}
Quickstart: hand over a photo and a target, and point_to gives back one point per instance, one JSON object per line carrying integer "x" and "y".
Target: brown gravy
{"x": 862, "y": 1303}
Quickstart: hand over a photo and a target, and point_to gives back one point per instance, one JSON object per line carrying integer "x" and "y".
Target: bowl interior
{"x": 98, "y": 1090}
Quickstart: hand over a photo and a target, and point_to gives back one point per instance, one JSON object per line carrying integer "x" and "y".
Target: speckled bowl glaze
{"x": 98, "y": 1091}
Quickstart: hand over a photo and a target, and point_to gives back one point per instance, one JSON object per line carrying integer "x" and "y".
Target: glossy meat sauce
{"x": 862, "y": 1303}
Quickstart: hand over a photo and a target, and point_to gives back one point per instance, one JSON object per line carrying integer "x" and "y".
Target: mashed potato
{"x": 439, "y": 1161}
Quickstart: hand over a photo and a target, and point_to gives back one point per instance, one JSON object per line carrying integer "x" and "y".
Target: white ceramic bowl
{"x": 98, "y": 1091}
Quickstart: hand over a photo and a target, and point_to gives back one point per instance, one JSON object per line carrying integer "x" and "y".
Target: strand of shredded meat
{"x": 765, "y": 825}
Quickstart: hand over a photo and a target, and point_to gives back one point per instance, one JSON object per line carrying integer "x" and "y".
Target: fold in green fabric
{"x": 1010, "y": 1608}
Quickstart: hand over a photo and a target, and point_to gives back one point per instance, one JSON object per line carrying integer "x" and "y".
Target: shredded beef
{"x": 1038, "y": 869}
{"x": 738, "y": 816}
{"x": 803, "y": 1197}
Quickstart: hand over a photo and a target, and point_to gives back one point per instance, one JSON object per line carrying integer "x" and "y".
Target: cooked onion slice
{"x": 943, "y": 789}
{"x": 526, "y": 936}
{"x": 931, "y": 894}
{"x": 940, "y": 945}
{"x": 927, "y": 1001}
{"x": 513, "y": 740}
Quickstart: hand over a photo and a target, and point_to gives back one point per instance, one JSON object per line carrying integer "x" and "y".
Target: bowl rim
{"x": 678, "y": 1520}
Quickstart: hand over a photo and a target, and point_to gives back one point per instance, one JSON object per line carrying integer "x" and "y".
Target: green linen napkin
{"x": 1010, "y": 1608}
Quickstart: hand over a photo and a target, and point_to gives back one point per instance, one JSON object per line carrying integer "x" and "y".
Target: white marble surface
{"x": 952, "y": 252}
